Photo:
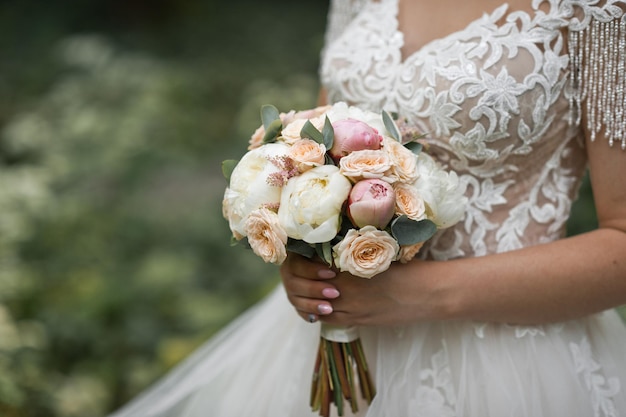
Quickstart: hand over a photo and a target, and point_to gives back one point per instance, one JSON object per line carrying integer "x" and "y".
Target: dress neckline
{"x": 496, "y": 15}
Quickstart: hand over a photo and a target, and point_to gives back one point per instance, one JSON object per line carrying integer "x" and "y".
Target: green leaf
{"x": 272, "y": 131}
{"x": 324, "y": 251}
{"x": 269, "y": 114}
{"x": 415, "y": 147}
{"x": 300, "y": 247}
{"x": 391, "y": 127}
{"x": 329, "y": 134}
{"x": 309, "y": 131}
{"x": 243, "y": 242}
{"x": 228, "y": 166}
{"x": 409, "y": 232}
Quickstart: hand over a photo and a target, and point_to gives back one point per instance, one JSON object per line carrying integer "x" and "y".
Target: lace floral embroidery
{"x": 601, "y": 388}
{"x": 489, "y": 96}
{"x": 435, "y": 397}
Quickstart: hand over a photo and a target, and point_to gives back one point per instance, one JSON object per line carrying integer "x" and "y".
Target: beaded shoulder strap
{"x": 597, "y": 52}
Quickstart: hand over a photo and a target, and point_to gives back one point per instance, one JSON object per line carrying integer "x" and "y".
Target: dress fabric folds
{"x": 501, "y": 101}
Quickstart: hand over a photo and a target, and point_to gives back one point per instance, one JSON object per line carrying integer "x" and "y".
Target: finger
{"x": 300, "y": 266}
{"x": 306, "y": 306}
{"x": 301, "y": 287}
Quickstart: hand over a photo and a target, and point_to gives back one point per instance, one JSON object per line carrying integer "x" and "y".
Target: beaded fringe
{"x": 597, "y": 55}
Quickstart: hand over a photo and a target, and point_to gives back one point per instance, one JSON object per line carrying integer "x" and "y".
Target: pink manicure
{"x": 326, "y": 273}
{"x": 330, "y": 293}
{"x": 324, "y": 309}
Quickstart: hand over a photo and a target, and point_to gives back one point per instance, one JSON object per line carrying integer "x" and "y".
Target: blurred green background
{"x": 115, "y": 260}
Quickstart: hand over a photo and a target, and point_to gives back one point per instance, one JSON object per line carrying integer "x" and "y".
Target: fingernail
{"x": 330, "y": 293}
{"x": 312, "y": 318}
{"x": 324, "y": 309}
{"x": 326, "y": 273}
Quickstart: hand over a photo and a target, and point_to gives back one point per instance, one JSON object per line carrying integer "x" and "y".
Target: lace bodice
{"x": 498, "y": 101}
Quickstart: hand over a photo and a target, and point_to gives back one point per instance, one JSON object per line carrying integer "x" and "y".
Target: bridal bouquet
{"x": 341, "y": 184}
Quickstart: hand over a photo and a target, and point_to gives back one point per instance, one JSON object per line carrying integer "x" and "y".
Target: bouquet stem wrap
{"x": 340, "y": 366}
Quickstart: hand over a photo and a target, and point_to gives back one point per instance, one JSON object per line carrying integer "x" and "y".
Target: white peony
{"x": 441, "y": 191}
{"x": 341, "y": 110}
{"x": 311, "y": 203}
{"x": 249, "y": 189}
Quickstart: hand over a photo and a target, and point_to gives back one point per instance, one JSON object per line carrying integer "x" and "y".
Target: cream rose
{"x": 291, "y": 132}
{"x": 266, "y": 236}
{"x": 404, "y": 161}
{"x": 366, "y": 163}
{"x": 311, "y": 203}
{"x": 409, "y": 202}
{"x": 307, "y": 153}
{"x": 249, "y": 189}
{"x": 365, "y": 252}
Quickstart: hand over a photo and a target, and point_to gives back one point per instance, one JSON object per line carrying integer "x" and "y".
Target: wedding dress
{"x": 501, "y": 100}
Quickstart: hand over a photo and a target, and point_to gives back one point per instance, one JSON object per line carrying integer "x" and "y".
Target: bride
{"x": 501, "y": 315}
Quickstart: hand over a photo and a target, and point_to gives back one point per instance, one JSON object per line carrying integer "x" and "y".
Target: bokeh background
{"x": 115, "y": 115}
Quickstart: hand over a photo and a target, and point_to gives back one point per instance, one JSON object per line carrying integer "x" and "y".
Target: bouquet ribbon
{"x": 339, "y": 367}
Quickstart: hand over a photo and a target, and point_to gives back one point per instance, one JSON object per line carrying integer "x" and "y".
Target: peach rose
{"x": 256, "y": 139}
{"x": 407, "y": 253}
{"x": 409, "y": 202}
{"x": 307, "y": 153}
{"x": 366, "y": 163}
{"x": 404, "y": 161}
{"x": 365, "y": 252}
{"x": 266, "y": 236}
{"x": 307, "y": 114}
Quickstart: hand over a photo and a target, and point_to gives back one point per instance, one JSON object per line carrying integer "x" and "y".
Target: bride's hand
{"x": 402, "y": 294}
{"x": 307, "y": 286}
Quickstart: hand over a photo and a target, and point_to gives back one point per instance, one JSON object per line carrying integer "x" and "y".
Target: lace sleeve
{"x": 597, "y": 48}
{"x": 340, "y": 13}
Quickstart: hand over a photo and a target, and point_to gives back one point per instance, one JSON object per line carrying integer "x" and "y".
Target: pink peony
{"x": 371, "y": 202}
{"x": 353, "y": 135}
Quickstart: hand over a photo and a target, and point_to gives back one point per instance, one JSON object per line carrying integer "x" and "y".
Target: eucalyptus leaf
{"x": 272, "y": 131}
{"x": 391, "y": 127}
{"x": 328, "y": 133}
{"x": 415, "y": 147}
{"x": 309, "y": 131}
{"x": 324, "y": 251}
{"x": 228, "y": 166}
{"x": 409, "y": 232}
{"x": 269, "y": 114}
{"x": 300, "y": 247}
{"x": 243, "y": 242}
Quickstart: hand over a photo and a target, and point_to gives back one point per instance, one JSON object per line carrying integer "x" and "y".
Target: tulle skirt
{"x": 261, "y": 366}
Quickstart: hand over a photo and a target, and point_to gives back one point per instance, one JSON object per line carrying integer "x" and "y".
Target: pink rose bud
{"x": 371, "y": 202}
{"x": 353, "y": 135}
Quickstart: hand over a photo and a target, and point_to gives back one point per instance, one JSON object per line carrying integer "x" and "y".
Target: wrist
{"x": 427, "y": 290}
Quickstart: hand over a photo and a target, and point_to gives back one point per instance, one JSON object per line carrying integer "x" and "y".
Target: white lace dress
{"x": 501, "y": 100}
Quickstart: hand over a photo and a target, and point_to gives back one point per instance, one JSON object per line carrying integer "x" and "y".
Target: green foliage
{"x": 310, "y": 132}
{"x": 410, "y": 232}
{"x": 115, "y": 259}
{"x": 391, "y": 127}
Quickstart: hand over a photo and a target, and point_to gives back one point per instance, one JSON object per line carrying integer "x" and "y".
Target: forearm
{"x": 558, "y": 281}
